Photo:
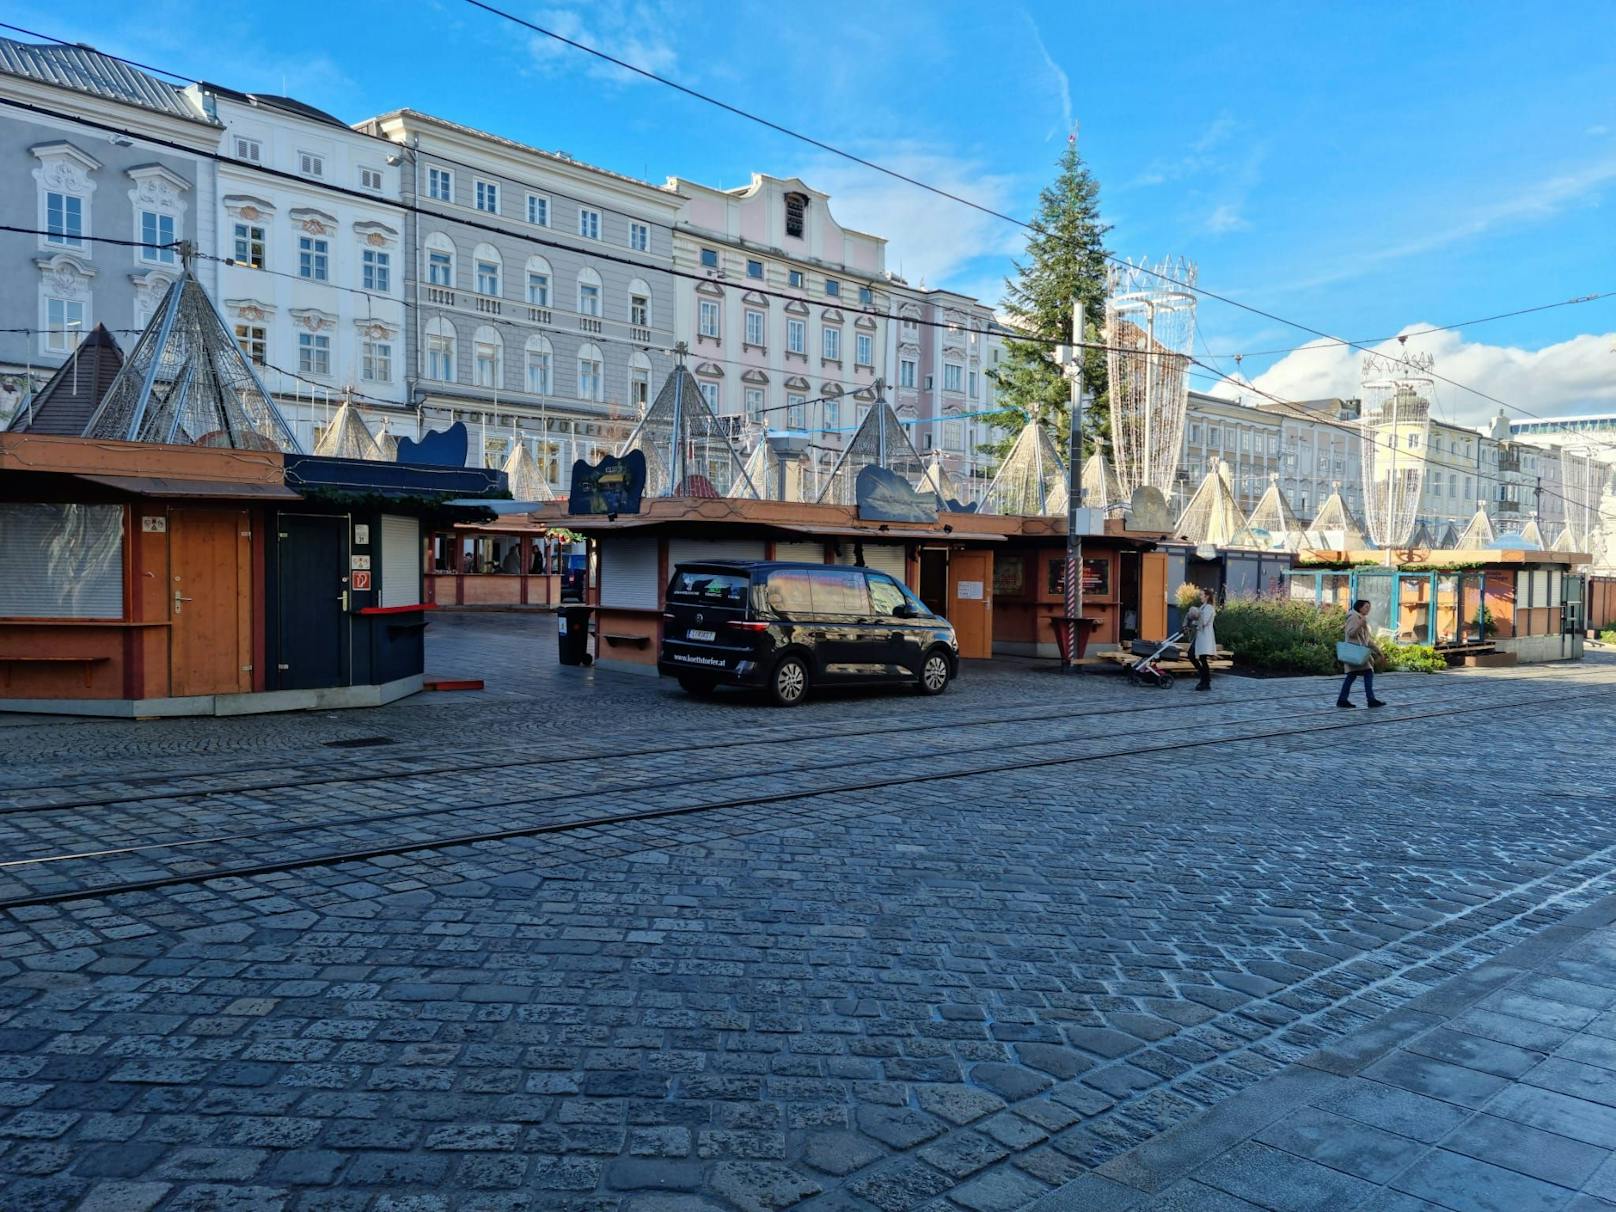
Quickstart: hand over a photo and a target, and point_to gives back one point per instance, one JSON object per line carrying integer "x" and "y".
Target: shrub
{"x": 1187, "y": 595}
{"x": 1608, "y": 636}
{"x": 1414, "y": 658}
{"x": 1275, "y": 635}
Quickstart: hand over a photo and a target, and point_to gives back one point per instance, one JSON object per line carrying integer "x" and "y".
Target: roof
{"x": 86, "y": 70}
{"x": 66, "y": 403}
{"x": 290, "y": 105}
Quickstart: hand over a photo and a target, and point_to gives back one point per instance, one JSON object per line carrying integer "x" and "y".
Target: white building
{"x": 313, "y": 287}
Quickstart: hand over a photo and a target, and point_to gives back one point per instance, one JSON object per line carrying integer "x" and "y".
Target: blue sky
{"x": 1364, "y": 169}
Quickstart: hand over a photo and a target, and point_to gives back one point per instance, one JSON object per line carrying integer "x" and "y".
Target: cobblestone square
{"x": 579, "y": 943}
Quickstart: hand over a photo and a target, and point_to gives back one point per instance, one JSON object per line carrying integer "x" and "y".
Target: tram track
{"x": 1470, "y": 705}
{"x": 313, "y": 774}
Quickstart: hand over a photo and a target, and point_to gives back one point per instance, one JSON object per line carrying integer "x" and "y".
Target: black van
{"x": 786, "y": 627}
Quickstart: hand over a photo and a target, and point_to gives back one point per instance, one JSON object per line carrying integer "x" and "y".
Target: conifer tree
{"x": 1066, "y": 260}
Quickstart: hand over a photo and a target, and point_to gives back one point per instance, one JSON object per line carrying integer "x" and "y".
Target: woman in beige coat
{"x": 1358, "y": 632}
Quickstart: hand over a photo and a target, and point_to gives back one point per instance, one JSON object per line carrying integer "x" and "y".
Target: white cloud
{"x": 928, "y": 236}
{"x": 1061, "y": 84}
{"x": 1225, "y": 218}
{"x": 1570, "y": 377}
{"x": 626, "y": 29}
{"x": 1597, "y": 131}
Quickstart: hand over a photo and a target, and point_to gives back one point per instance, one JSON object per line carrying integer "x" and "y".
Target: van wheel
{"x": 700, "y": 688}
{"x": 934, "y": 674}
{"x": 789, "y": 685}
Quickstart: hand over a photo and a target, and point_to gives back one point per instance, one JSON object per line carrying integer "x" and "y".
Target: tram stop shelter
{"x": 1486, "y": 606}
{"x": 998, "y": 579}
{"x": 141, "y": 579}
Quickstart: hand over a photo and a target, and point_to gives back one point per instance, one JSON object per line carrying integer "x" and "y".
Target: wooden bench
{"x": 627, "y": 641}
{"x": 8, "y": 661}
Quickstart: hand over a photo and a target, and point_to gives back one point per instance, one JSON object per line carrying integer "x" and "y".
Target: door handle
{"x": 178, "y": 598}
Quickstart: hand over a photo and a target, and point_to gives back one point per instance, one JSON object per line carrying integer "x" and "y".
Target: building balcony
{"x": 488, "y": 305}
{"x": 590, "y": 324}
{"x": 639, "y": 333}
{"x": 1509, "y": 461}
{"x": 540, "y": 315}
{"x": 440, "y": 294}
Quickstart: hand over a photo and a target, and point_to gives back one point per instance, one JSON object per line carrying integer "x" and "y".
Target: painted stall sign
{"x": 614, "y": 485}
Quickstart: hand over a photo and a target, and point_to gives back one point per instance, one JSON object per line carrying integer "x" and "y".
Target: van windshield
{"x": 711, "y": 588}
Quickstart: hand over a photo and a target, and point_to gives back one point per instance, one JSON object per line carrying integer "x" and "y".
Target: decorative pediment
{"x": 864, "y": 321}
{"x": 158, "y": 189}
{"x": 64, "y": 168}
{"x": 710, "y": 288}
{"x": 753, "y": 375}
{"x": 831, "y": 316}
{"x": 250, "y": 310}
{"x": 710, "y": 370}
{"x": 313, "y": 319}
{"x": 864, "y": 395}
{"x": 797, "y": 383}
{"x": 375, "y": 330}
{"x": 909, "y": 347}
{"x": 910, "y": 311}
{"x": 376, "y": 235}
{"x": 248, "y": 208}
{"x": 955, "y": 317}
{"x": 797, "y": 308}
{"x": 831, "y": 391}
{"x": 313, "y": 222}
{"x": 755, "y": 299}
{"x": 66, "y": 276}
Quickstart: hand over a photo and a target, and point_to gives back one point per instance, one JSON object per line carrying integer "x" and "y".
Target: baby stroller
{"x": 1147, "y": 671}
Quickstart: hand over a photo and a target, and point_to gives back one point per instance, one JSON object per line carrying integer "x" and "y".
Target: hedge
{"x": 1275, "y": 635}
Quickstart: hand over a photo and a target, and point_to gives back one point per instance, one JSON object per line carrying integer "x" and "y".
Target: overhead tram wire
{"x": 853, "y": 157}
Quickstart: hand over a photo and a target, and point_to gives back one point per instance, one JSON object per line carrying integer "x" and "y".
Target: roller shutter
{"x": 685, "y": 551}
{"x": 807, "y": 553}
{"x": 401, "y": 561}
{"x": 628, "y": 573}
{"x": 890, "y": 558}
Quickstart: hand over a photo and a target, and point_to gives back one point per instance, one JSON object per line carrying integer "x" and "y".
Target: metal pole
{"x": 1073, "y": 356}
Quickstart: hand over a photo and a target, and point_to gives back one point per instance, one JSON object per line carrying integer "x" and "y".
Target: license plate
{"x": 701, "y": 635}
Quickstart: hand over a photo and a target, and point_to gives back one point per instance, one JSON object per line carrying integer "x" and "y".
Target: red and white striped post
{"x": 1072, "y": 365}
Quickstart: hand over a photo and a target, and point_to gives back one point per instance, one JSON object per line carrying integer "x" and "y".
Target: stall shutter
{"x": 61, "y": 561}
{"x": 628, "y": 573}
{"x": 401, "y": 561}
{"x": 684, "y": 551}
{"x": 807, "y": 553}
{"x": 890, "y": 558}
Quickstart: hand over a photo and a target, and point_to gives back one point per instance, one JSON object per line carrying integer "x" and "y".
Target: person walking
{"x": 1358, "y": 632}
{"x": 1205, "y": 645}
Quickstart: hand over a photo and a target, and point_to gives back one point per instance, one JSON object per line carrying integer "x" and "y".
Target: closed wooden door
{"x": 970, "y": 602}
{"x": 1153, "y": 596}
{"x": 210, "y": 607}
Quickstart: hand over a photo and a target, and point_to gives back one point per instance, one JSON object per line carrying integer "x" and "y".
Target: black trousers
{"x": 1204, "y": 664}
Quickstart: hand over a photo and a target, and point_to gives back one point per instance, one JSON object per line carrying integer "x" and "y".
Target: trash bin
{"x": 572, "y": 635}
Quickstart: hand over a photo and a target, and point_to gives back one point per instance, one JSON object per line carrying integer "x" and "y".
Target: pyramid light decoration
{"x": 1275, "y": 516}
{"x": 347, "y": 437}
{"x": 1335, "y": 529}
{"x": 1532, "y": 532}
{"x": 1479, "y": 533}
{"x": 879, "y": 442}
{"x": 687, "y": 450}
{"x": 1449, "y": 539}
{"x": 1213, "y": 515}
{"x": 936, "y": 480}
{"x": 387, "y": 443}
{"x": 187, "y": 383}
{"x": 524, "y": 477}
{"x": 1032, "y": 479}
{"x": 1100, "y": 486}
{"x": 1396, "y": 428}
{"x": 1150, "y": 327}
{"x": 1421, "y": 537}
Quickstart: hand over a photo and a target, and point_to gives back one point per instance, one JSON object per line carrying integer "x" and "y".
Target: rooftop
{"x": 86, "y": 70}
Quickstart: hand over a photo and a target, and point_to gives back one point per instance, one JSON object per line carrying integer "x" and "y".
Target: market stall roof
{"x": 66, "y": 403}
{"x": 163, "y": 486}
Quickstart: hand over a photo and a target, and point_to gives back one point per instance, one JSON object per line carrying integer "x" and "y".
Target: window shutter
{"x": 628, "y": 573}
{"x": 61, "y": 561}
{"x": 401, "y": 561}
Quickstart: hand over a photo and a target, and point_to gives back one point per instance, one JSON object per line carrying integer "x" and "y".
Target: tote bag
{"x": 1351, "y": 654}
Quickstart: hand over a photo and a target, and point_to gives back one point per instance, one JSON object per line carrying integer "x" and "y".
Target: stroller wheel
{"x": 1164, "y": 680}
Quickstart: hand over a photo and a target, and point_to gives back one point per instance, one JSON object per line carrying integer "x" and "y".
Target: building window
{"x": 796, "y": 209}
{"x": 866, "y": 296}
{"x": 953, "y": 435}
{"x": 754, "y": 269}
{"x": 951, "y": 377}
{"x": 796, "y": 279}
{"x": 376, "y": 270}
{"x": 639, "y": 237}
{"x": 250, "y": 150}
{"x": 754, "y": 328}
{"x": 249, "y": 245}
{"x": 485, "y": 363}
{"x": 754, "y": 403}
{"x": 440, "y": 184}
{"x": 832, "y": 343}
{"x": 796, "y": 412}
{"x": 310, "y": 164}
{"x": 906, "y": 373}
{"x": 440, "y": 358}
{"x": 588, "y": 299}
{"x": 590, "y": 386}
{"x": 709, "y": 258}
{"x": 639, "y": 311}
{"x": 708, "y": 326}
{"x": 439, "y": 269}
{"x": 370, "y": 178}
{"x": 1214, "y": 437}
{"x": 538, "y": 371}
{"x": 253, "y": 341}
{"x": 970, "y": 385}
{"x": 64, "y": 324}
{"x": 64, "y": 220}
{"x": 796, "y": 336}
{"x": 313, "y": 353}
{"x": 709, "y": 392}
{"x": 155, "y": 231}
{"x": 313, "y": 259}
{"x": 1413, "y": 441}
{"x": 488, "y": 197}
{"x": 639, "y": 387}
{"x": 833, "y": 414}
{"x": 833, "y": 288}
{"x": 376, "y": 362}
{"x": 538, "y": 210}
{"x": 863, "y": 349}
{"x": 538, "y": 289}
{"x": 589, "y": 224}
{"x": 488, "y": 277}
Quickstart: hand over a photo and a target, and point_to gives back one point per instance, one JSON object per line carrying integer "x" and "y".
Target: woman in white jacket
{"x": 1206, "y": 640}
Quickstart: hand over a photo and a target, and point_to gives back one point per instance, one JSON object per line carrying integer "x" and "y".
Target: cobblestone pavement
{"x": 956, "y": 992}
